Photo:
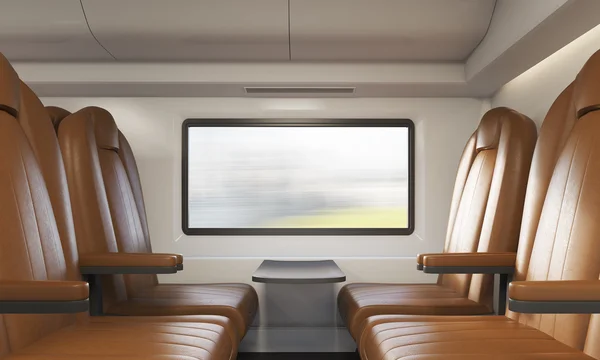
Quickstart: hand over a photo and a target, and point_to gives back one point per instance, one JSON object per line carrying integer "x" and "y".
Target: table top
{"x": 298, "y": 272}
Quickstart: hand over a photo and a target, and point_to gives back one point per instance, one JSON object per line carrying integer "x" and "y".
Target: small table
{"x": 298, "y": 272}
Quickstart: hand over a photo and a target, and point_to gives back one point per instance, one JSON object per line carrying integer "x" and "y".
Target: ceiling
{"x": 219, "y": 48}
{"x": 234, "y": 30}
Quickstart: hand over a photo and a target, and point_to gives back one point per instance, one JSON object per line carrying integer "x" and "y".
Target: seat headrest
{"x": 586, "y": 94}
{"x": 10, "y": 88}
{"x": 488, "y": 131}
{"x": 105, "y": 128}
{"x": 57, "y": 114}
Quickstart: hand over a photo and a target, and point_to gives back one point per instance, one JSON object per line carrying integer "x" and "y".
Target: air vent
{"x": 255, "y": 90}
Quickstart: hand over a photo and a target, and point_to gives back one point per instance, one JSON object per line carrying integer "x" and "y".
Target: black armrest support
{"x": 93, "y": 266}
{"x": 501, "y": 265}
{"x": 44, "y": 307}
{"x": 554, "y": 307}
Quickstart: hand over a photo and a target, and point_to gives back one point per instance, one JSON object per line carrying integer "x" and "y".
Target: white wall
{"x": 533, "y": 92}
{"x": 289, "y": 314}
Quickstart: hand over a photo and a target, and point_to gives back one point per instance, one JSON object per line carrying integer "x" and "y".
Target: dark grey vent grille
{"x": 251, "y": 90}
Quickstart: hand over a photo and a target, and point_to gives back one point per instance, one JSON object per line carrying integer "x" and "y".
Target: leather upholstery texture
{"x": 125, "y": 259}
{"x": 558, "y": 256}
{"x": 198, "y": 340}
{"x": 36, "y": 246}
{"x": 231, "y": 300}
{"x": 109, "y": 215}
{"x": 441, "y": 337}
{"x": 470, "y": 259}
{"x": 57, "y": 114}
{"x": 574, "y": 290}
{"x": 361, "y": 300}
{"x": 43, "y": 290}
{"x": 553, "y": 134}
{"x": 485, "y": 216}
{"x": 128, "y": 159}
{"x": 39, "y": 130}
{"x": 9, "y": 90}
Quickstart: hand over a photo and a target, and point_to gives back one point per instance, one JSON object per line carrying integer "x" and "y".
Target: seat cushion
{"x": 357, "y": 302}
{"x": 133, "y": 339}
{"x": 465, "y": 337}
{"x": 223, "y": 321}
{"x": 238, "y": 302}
{"x": 107, "y": 357}
{"x": 541, "y": 356}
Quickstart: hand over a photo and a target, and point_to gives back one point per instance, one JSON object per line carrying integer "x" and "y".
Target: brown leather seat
{"x": 558, "y": 257}
{"x": 31, "y": 254}
{"x": 454, "y": 337}
{"x": 57, "y": 114}
{"x": 485, "y": 217}
{"x": 110, "y": 216}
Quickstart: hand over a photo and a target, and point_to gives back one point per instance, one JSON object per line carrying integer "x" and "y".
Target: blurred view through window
{"x": 298, "y": 177}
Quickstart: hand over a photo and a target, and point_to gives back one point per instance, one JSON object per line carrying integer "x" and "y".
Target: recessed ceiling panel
{"x": 42, "y": 30}
{"x": 191, "y": 30}
{"x": 387, "y": 30}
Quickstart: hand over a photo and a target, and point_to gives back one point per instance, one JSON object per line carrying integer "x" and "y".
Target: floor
{"x": 298, "y": 356}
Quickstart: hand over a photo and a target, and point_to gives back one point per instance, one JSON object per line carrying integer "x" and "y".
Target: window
{"x": 298, "y": 177}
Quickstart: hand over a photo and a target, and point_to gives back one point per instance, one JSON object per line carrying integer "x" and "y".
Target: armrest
{"x": 469, "y": 263}
{"x": 96, "y": 264}
{"x": 43, "y": 290}
{"x": 127, "y": 263}
{"x": 420, "y": 258}
{"x": 179, "y": 260}
{"x": 555, "y": 297}
{"x": 43, "y": 297}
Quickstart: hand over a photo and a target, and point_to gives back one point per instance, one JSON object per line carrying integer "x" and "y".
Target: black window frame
{"x": 363, "y": 122}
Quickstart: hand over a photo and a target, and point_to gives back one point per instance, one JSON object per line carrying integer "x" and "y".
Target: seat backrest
{"x": 57, "y": 114}
{"x": 489, "y": 191}
{"x": 553, "y": 134}
{"x": 30, "y": 246}
{"x": 39, "y": 129}
{"x": 126, "y": 154}
{"x": 40, "y": 125}
{"x": 567, "y": 239}
{"x": 130, "y": 165}
{"x": 108, "y": 207}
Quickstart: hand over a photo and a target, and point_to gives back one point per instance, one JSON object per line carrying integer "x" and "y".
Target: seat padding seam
{"x": 434, "y": 332}
{"x": 572, "y": 223}
{"x": 562, "y": 203}
{"x": 14, "y": 192}
{"x": 451, "y": 341}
